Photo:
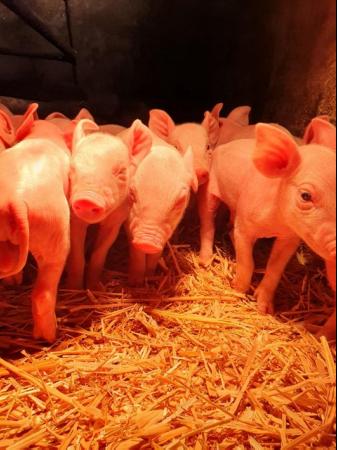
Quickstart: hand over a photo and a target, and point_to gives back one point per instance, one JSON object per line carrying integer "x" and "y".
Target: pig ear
{"x": 161, "y": 124}
{"x": 240, "y": 115}
{"x": 139, "y": 140}
{"x": 189, "y": 164}
{"x": 7, "y": 133}
{"x": 84, "y": 114}
{"x": 276, "y": 153}
{"x": 27, "y": 122}
{"x": 83, "y": 129}
{"x": 56, "y": 115}
{"x": 5, "y": 109}
{"x": 216, "y": 111}
{"x": 320, "y": 131}
{"x": 212, "y": 127}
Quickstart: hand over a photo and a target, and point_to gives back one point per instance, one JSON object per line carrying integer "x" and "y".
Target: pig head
{"x": 201, "y": 138}
{"x": 102, "y": 166}
{"x": 160, "y": 193}
{"x": 307, "y": 195}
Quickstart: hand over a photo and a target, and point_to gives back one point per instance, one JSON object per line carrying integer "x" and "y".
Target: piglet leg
{"x": 283, "y": 250}
{"x": 44, "y": 299}
{"x": 244, "y": 245}
{"x": 76, "y": 261}
{"x": 107, "y": 235}
{"x": 152, "y": 264}
{"x": 208, "y": 205}
{"x": 329, "y": 329}
{"x": 137, "y": 267}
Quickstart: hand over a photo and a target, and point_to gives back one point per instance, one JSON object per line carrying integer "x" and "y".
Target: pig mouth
{"x": 327, "y": 251}
{"x": 89, "y": 207}
{"x": 9, "y": 256}
{"x": 331, "y": 249}
{"x": 149, "y": 245}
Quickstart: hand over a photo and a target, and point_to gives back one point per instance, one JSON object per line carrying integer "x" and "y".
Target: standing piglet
{"x": 201, "y": 138}
{"x": 160, "y": 193}
{"x": 102, "y": 168}
{"x": 274, "y": 188}
{"x": 34, "y": 216}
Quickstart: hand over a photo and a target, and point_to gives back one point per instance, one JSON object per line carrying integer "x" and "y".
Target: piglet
{"x": 34, "y": 216}
{"x": 274, "y": 188}
{"x": 102, "y": 169}
{"x": 160, "y": 193}
{"x": 202, "y": 138}
{"x": 235, "y": 125}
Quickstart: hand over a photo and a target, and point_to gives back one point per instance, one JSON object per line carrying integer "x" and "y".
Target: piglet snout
{"x": 148, "y": 243}
{"x": 202, "y": 175}
{"x": 90, "y": 208}
{"x": 148, "y": 248}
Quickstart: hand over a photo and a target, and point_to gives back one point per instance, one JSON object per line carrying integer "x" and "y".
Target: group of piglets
{"x": 60, "y": 175}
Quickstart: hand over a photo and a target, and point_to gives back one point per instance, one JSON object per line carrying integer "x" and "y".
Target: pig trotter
{"x": 265, "y": 300}
{"x": 208, "y": 206}
{"x": 329, "y": 329}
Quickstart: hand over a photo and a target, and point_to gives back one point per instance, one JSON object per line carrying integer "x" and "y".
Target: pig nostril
{"x": 86, "y": 208}
{"x": 202, "y": 176}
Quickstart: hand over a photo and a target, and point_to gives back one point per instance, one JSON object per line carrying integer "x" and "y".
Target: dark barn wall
{"x": 183, "y": 55}
{"x": 303, "y": 67}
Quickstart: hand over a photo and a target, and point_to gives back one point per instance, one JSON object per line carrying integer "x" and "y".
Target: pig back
{"x": 112, "y": 129}
{"x": 36, "y": 169}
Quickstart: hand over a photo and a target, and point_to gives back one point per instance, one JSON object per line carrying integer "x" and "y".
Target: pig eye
{"x": 306, "y": 197}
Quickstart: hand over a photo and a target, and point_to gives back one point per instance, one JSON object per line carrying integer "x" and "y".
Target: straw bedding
{"x": 185, "y": 363}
